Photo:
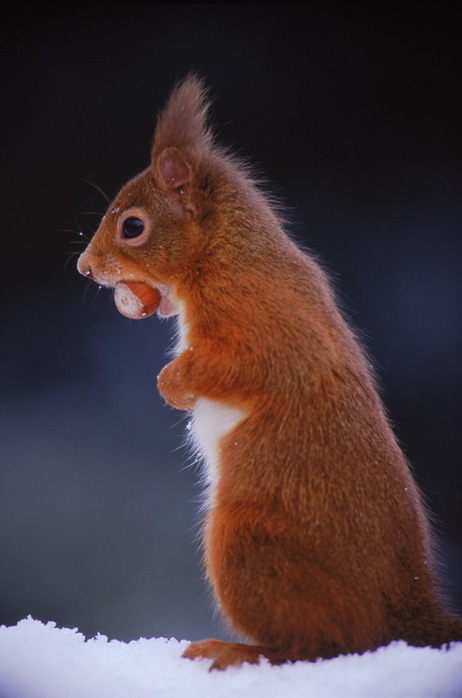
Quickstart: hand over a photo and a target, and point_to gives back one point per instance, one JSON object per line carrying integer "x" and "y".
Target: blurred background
{"x": 351, "y": 111}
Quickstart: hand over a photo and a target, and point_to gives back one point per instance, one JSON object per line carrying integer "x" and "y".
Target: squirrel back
{"x": 316, "y": 540}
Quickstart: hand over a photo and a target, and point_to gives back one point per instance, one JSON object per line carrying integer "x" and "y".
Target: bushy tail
{"x": 439, "y": 632}
{"x": 454, "y": 630}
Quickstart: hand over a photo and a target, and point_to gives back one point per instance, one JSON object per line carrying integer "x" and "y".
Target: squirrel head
{"x": 152, "y": 231}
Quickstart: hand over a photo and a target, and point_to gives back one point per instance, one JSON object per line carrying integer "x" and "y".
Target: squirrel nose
{"x": 84, "y": 268}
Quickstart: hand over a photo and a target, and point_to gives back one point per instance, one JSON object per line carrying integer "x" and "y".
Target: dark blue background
{"x": 352, "y": 113}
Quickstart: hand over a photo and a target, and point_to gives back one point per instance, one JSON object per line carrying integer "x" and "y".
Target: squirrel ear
{"x": 181, "y": 143}
{"x": 174, "y": 171}
{"x": 174, "y": 175}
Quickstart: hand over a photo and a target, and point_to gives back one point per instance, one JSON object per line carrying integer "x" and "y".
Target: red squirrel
{"x": 315, "y": 537}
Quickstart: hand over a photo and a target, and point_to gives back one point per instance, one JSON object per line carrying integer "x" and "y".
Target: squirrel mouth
{"x": 138, "y": 300}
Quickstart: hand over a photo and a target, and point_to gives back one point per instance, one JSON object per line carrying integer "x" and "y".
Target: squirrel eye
{"x": 132, "y": 227}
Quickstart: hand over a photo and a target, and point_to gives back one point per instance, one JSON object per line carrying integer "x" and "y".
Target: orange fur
{"x": 316, "y": 539}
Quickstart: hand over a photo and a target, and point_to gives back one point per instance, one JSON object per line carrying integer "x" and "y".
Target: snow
{"x": 39, "y": 660}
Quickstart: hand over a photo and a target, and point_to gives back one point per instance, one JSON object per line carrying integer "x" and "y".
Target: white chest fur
{"x": 210, "y": 422}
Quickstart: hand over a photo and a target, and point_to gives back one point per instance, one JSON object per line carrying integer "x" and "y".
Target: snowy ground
{"x": 42, "y": 661}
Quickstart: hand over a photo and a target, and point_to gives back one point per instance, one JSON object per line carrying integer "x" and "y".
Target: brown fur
{"x": 316, "y": 539}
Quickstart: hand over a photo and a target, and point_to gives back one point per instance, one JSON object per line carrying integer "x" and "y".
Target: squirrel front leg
{"x": 218, "y": 370}
{"x": 175, "y": 382}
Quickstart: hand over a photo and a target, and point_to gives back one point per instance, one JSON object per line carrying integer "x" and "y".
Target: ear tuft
{"x": 182, "y": 126}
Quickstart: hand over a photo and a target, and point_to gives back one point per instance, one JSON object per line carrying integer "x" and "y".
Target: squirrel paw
{"x": 171, "y": 383}
{"x": 224, "y": 654}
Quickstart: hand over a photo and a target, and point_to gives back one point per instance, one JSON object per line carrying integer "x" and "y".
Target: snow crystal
{"x": 42, "y": 661}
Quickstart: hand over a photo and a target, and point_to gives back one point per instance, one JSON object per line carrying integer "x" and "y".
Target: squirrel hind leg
{"x": 225, "y": 654}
